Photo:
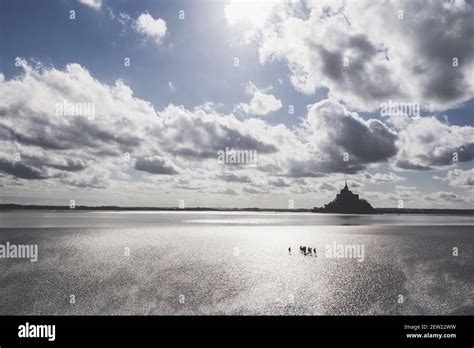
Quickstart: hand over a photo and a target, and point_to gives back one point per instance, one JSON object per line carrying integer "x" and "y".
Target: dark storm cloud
{"x": 218, "y": 137}
{"x": 155, "y": 165}
{"x": 65, "y": 164}
{"x": 74, "y": 133}
{"x": 342, "y": 142}
{"x": 318, "y": 169}
{"x": 444, "y": 157}
{"x": 391, "y": 50}
{"x": 369, "y": 142}
{"x": 20, "y": 170}
{"x": 191, "y": 153}
{"x": 359, "y": 75}
{"x": 427, "y": 143}
{"x": 36, "y": 168}
{"x": 94, "y": 132}
{"x": 332, "y": 63}
{"x": 440, "y": 38}
{"x": 40, "y": 136}
{"x": 192, "y": 135}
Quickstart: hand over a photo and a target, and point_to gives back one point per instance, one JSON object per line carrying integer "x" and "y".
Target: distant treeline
{"x": 425, "y": 211}
{"x": 113, "y": 207}
{"x": 117, "y": 208}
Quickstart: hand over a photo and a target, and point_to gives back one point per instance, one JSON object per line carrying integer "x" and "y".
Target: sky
{"x": 269, "y": 104}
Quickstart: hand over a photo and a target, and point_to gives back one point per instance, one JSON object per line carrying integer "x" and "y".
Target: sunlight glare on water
{"x": 232, "y": 264}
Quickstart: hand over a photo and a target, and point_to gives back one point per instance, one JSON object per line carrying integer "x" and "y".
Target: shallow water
{"x": 236, "y": 263}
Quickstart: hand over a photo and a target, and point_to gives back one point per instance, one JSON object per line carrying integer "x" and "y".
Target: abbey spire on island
{"x": 347, "y": 202}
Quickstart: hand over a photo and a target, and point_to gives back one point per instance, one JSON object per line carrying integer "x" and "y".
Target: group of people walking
{"x": 306, "y": 251}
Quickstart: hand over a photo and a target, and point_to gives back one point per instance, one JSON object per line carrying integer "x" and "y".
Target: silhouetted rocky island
{"x": 347, "y": 202}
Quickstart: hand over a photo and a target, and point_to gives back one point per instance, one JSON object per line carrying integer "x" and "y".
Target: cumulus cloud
{"x": 413, "y": 51}
{"x": 253, "y": 12}
{"x": 443, "y": 197}
{"x": 155, "y": 165}
{"x": 341, "y": 141}
{"x": 95, "y": 4}
{"x": 261, "y": 103}
{"x": 128, "y": 137}
{"x": 427, "y": 143}
{"x": 150, "y": 27}
{"x": 201, "y": 133}
{"x": 232, "y": 177}
{"x": 279, "y": 182}
{"x": 52, "y": 145}
{"x": 458, "y": 177}
{"x": 405, "y": 188}
{"x": 254, "y": 190}
{"x": 227, "y": 191}
{"x": 87, "y": 182}
{"x": 126, "y": 134}
{"x": 21, "y": 170}
{"x": 324, "y": 186}
{"x": 382, "y": 177}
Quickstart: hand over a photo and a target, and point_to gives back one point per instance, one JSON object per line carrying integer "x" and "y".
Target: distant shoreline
{"x": 4, "y": 207}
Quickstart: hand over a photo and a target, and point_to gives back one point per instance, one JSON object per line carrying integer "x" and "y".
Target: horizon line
{"x": 15, "y": 206}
